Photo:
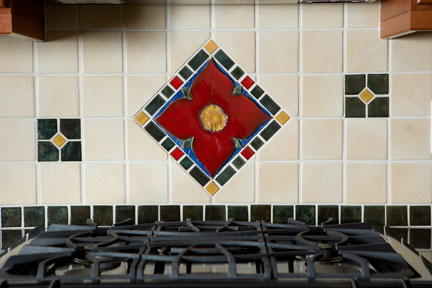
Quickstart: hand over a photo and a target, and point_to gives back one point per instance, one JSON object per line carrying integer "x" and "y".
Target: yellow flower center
{"x": 213, "y": 118}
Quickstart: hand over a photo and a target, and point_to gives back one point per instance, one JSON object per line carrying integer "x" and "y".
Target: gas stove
{"x": 214, "y": 254}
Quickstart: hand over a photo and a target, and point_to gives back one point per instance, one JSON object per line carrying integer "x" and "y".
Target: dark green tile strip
{"x": 195, "y": 213}
{"x": 47, "y": 152}
{"x": 378, "y": 83}
{"x": 374, "y": 215}
{"x": 379, "y": 107}
{"x": 225, "y": 175}
{"x": 57, "y": 215}
{"x": 154, "y": 131}
{"x": 257, "y": 143}
{"x": 185, "y": 72}
{"x": 420, "y": 238}
{"x": 354, "y": 107}
{"x": 306, "y": 214}
{"x": 147, "y": 214}
{"x": 79, "y": 215}
{"x": 11, "y": 217}
{"x": 260, "y": 212}
{"x": 281, "y": 213}
{"x": 270, "y": 130}
{"x": 10, "y": 238}
{"x": 215, "y": 213}
{"x": 354, "y": 84}
{"x": 269, "y": 104}
{"x": 238, "y": 213}
{"x": 125, "y": 213}
{"x": 257, "y": 91}
{"x": 237, "y": 73}
{"x": 168, "y": 144}
{"x": 103, "y": 215}
{"x": 198, "y": 59}
{"x": 154, "y": 105}
{"x": 170, "y": 213}
{"x": 34, "y": 216}
{"x": 71, "y": 128}
{"x": 47, "y": 128}
{"x": 420, "y": 215}
{"x": 186, "y": 163}
{"x": 199, "y": 176}
{"x": 397, "y": 216}
{"x": 167, "y": 92}
{"x": 71, "y": 151}
{"x": 325, "y": 212}
{"x": 224, "y": 59}
{"x": 397, "y": 233}
{"x": 350, "y": 214}
{"x": 238, "y": 162}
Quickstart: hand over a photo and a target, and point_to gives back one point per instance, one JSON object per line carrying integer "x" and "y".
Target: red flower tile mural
{"x": 211, "y": 117}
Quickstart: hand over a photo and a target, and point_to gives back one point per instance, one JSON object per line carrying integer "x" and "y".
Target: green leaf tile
{"x": 215, "y": 213}
{"x": 269, "y": 104}
{"x": 155, "y": 131}
{"x": 154, "y": 105}
{"x": 225, "y": 175}
{"x": 420, "y": 215}
{"x": 260, "y": 212}
{"x": 47, "y": 152}
{"x": 374, "y": 215}
{"x": 198, "y": 59}
{"x": 168, "y": 144}
{"x": 325, "y": 212}
{"x": 199, "y": 176}
{"x": 238, "y": 213}
{"x": 57, "y": 215}
{"x": 420, "y": 238}
{"x": 378, "y": 83}
{"x": 34, "y": 216}
{"x": 379, "y": 107}
{"x": 185, "y": 73}
{"x": 270, "y": 130}
{"x": 71, "y": 151}
{"x": 10, "y": 238}
{"x": 238, "y": 162}
{"x": 354, "y": 84}
{"x": 281, "y": 213}
{"x": 306, "y": 214}
{"x": 354, "y": 108}
{"x": 170, "y": 213}
{"x": 350, "y": 214}
{"x": 237, "y": 73}
{"x": 47, "y": 128}
{"x": 195, "y": 213}
{"x": 224, "y": 59}
{"x": 11, "y": 217}
{"x": 147, "y": 214}
{"x": 186, "y": 163}
{"x": 397, "y": 216}
{"x": 124, "y": 213}
{"x": 71, "y": 128}
{"x": 79, "y": 215}
{"x": 257, "y": 143}
{"x": 103, "y": 215}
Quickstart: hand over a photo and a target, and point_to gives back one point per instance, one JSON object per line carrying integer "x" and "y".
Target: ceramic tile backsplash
{"x": 357, "y": 146}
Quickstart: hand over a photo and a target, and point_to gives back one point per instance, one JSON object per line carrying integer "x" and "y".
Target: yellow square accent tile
{"x": 211, "y": 46}
{"x": 212, "y": 188}
{"x": 141, "y": 118}
{"x": 366, "y": 96}
{"x": 282, "y": 118}
{"x": 59, "y": 140}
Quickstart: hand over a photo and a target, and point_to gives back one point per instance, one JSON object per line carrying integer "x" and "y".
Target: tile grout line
{"x": 35, "y": 121}
{"x": 344, "y": 126}
{"x": 257, "y": 77}
{"x": 167, "y": 77}
{"x": 389, "y": 160}
{"x": 300, "y": 105}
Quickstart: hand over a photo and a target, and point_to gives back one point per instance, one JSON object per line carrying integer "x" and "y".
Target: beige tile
{"x": 240, "y": 189}
{"x": 365, "y": 51}
{"x": 58, "y": 96}
{"x": 16, "y": 55}
{"x": 362, "y": 16}
{"x": 140, "y": 90}
{"x": 238, "y": 16}
{"x": 104, "y": 183}
{"x": 284, "y": 89}
{"x": 143, "y": 16}
{"x": 240, "y": 46}
{"x": 184, "y": 189}
{"x": 148, "y": 183}
{"x": 146, "y": 52}
{"x": 278, "y": 183}
{"x": 141, "y": 146}
{"x": 322, "y": 183}
{"x": 16, "y": 96}
{"x": 322, "y": 16}
{"x": 17, "y": 140}
{"x": 285, "y": 146}
{"x": 18, "y": 183}
{"x": 189, "y": 16}
{"x": 104, "y": 139}
{"x": 411, "y": 94}
{"x": 60, "y": 16}
{"x": 103, "y": 96}
{"x": 322, "y": 139}
{"x": 278, "y": 52}
{"x": 183, "y": 45}
{"x": 366, "y": 183}
{"x": 277, "y": 16}
{"x": 412, "y": 52}
{"x": 410, "y": 139}
{"x": 322, "y": 96}
{"x": 366, "y": 139}
{"x": 100, "y": 17}
{"x": 59, "y": 54}
{"x": 328, "y": 58}
{"x": 60, "y": 183}
{"x": 98, "y": 47}
{"x": 411, "y": 183}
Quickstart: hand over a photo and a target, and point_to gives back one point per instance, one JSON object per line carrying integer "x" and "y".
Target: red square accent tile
{"x": 247, "y": 153}
{"x": 247, "y": 82}
{"x": 177, "y": 153}
{"x": 176, "y": 82}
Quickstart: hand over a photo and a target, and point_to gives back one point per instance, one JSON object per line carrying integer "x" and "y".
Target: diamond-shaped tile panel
{"x": 366, "y": 96}
{"x": 211, "y": 117}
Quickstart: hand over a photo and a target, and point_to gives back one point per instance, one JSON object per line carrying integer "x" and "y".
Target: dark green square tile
{"x": 103, "y": 215}
{"x": 167, "y": 91}
{"x": 71, "y": 151}
{"x": 11, "y": 217}
{"x": 125, "y": 213}
{"x": 34, "y": 216}
{"x": 257, "y": 143}
{"x": 420, "y": 215}
{"x": 71, "y": 128}
{"x": 10, "y": 238}
{"x": 79, "y": 215}
{"x": 238, "y": 162}
{"x": 147, "y": 214}
{"x": 354, "y": 108}
{"x": 354, "y": 84}
{"x": 195, "y": 213}
{"x": 224, "y": 59}
{"x": 325, "y": 212}
{"x": 237, "y": 73}
{"x": 374, "y": 215}
{"x": 47, "y": 152}
{"x": 215, "y": 213}
{"x": 306, "y": 214}
{"x": 198, "y": 59}
{"x": 185, "y": 73}
{"x": 270, "y": 130}
{"x": 350, "y": 214}
{"x": 186, "y": 163}
{"x": 169, "y": 213}
{"x": 57, "y": 215}
{"x": 379, "y": 107}
{"x": 397, "y": 233}
{"x": 199, "y": 176}
{"x": 238, "y": 213}
{"x": 168, "y": 144}
{"x": 154, "y": 105}
{"x": 257, "y": 91}
{"x": 225, "y": 175}
{"x": 47, "y": 128}
{"x": 281, "y": 213}
{"x": 269, "y": 104}
{"x": 420, "y": 238}
{"x": 397, "y": 216}
{"x": 378, "y": 83}
{"x": 260, "y": 212}
{"x": 155, "y": 131}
